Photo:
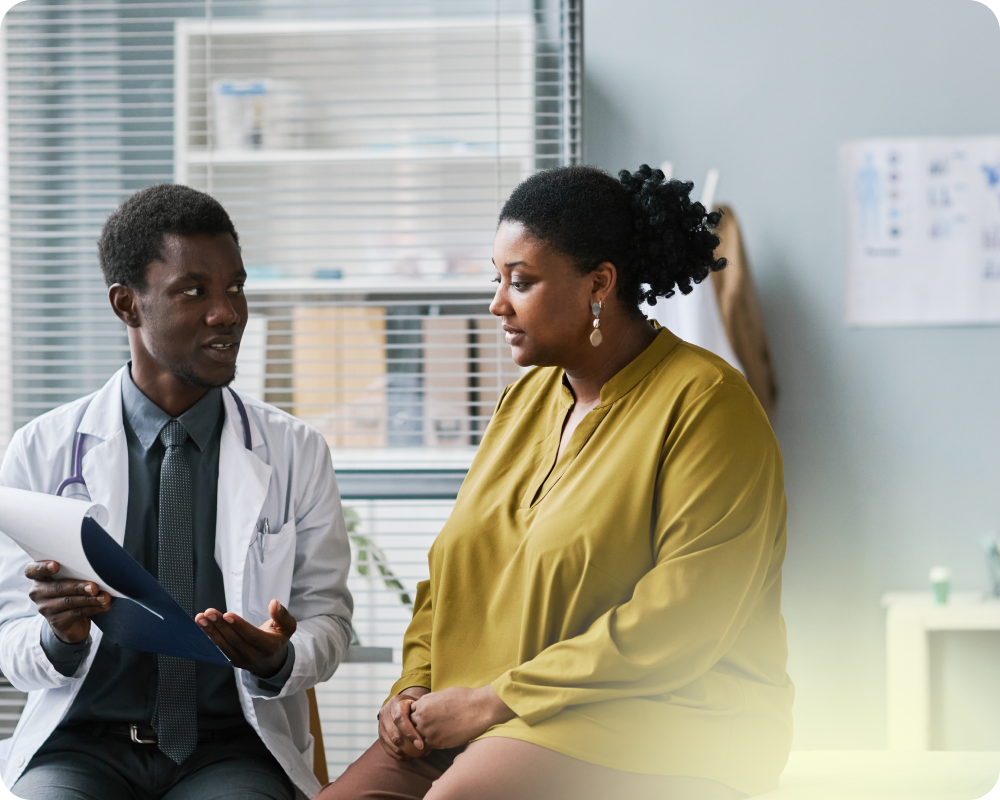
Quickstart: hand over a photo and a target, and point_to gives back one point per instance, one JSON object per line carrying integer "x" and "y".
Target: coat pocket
{"x": 270, "y": 564}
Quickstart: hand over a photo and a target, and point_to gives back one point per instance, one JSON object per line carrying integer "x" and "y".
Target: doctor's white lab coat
{"x": 287, "y": 478}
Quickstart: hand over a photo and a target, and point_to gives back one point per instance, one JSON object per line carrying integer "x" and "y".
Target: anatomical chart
{"x": 923, "y": 231}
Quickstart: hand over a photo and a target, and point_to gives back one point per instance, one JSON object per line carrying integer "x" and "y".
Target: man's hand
{"x": 456, "y": 716}
{"x": 262, "y": 650}
{"x": 67, "y": 604}
{"x": 396, "y": 733}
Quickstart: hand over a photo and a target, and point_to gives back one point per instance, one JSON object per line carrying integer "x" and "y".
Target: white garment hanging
{"x": 695, "y": 317}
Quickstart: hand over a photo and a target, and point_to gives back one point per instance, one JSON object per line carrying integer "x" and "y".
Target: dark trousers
{"x": 85, "y": 763}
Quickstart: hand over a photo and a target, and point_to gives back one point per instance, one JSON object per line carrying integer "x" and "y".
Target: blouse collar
{"x": 626, "y": 379}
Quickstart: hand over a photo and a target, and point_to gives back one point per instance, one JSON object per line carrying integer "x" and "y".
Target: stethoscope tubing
{"x": 77, "y": 476}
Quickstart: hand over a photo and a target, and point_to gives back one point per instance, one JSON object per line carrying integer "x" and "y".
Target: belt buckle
{"x": 134, "y": 731}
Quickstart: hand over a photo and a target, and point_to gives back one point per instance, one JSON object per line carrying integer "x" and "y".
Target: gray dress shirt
{"x": 121, "y": 684}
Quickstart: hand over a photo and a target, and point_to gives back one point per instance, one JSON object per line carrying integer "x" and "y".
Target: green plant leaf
{"x": 369, "y": 553}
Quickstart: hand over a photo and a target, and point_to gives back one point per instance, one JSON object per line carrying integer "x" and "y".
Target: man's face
{"x": 193, "y": 311}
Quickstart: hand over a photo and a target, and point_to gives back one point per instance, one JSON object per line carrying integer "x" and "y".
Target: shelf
{"x": 925, "y": 600}
{"x": 964, "y": 611}
{"x": 278, "y": 27}
{"x": 304, "y": 155}
{"x": 359, "y": 654}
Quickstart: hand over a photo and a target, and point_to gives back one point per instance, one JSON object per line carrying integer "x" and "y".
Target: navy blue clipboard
{"x": 148, "y": 618}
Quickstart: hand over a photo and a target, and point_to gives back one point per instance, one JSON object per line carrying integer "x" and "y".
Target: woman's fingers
{"x": 390, "y": 738}
{"x": 400, "y": 712}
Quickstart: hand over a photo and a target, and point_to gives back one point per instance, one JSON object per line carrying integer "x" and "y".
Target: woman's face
{"x": 543, "y": 301}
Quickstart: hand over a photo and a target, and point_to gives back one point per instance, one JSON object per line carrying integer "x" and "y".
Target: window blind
{"x": 363, "y": 150}
{"x": 11, "y": 705}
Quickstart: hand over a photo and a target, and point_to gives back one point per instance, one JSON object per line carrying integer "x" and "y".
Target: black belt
{"x": 142, "y": 733}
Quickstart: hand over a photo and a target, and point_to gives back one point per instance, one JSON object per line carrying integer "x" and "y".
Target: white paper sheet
{"x": 923, "y": 230}
{"x": 48, "y": 528}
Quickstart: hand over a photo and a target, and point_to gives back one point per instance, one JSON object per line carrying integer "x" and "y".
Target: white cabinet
{"x": 358, "y": 148}
{"x": 910, "y": 618}
{"x": 364, "y": 163}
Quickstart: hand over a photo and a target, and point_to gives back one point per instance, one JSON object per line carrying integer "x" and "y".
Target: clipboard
{"x": 143, "y": 616}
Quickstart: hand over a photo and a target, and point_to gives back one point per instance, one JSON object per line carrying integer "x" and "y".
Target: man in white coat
{"x": 230, "y": 502}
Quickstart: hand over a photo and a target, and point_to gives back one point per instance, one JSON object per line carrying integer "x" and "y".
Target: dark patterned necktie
{"x": 175, "y": 717}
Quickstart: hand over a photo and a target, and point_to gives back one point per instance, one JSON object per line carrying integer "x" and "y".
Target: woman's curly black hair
{"x": 659, "y": 241}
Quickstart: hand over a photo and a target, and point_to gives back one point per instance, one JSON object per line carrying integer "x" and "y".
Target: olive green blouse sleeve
{"x": 719, "y": 518}
{"x": 417, "y": 644}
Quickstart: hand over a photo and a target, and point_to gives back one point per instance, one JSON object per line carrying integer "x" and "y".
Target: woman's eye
{"x": 496, "y": 279}
{"x": 519, "y": 285}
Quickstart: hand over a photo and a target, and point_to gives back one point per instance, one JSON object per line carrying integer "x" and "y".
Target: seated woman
{"x": 603, "y": 616}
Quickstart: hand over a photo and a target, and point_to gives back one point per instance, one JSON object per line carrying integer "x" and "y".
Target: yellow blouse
{"x": 624, "y": 600}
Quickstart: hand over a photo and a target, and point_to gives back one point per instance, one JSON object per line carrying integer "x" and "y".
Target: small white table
{"x": 910, "y": 616}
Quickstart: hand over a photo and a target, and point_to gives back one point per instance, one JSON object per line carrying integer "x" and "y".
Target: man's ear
{"x": 124, "y": 302}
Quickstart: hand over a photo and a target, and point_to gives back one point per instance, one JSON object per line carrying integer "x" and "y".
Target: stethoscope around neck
{"x": 77, "y": 476}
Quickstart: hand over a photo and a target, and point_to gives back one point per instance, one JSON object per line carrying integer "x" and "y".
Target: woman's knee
{"x": 378, "y": 776}
{"x": 498, "y": 768}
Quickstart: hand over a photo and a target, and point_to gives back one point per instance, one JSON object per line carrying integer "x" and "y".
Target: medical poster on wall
{"x": 923, "y": 229}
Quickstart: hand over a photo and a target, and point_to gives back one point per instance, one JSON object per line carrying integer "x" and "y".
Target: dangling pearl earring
{"x": 596, "y": 337}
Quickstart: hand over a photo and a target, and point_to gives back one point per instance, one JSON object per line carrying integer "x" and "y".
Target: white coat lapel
{"x": 105, "y": 460}
{"x": 244, "y": 479}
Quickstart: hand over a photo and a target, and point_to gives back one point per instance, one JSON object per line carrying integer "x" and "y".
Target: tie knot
{"x": 173, "y": 434}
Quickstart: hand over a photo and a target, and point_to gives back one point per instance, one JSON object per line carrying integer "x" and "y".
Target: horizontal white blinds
{"x": 11, "y": 705}
{"x": 363, "y": 151}
{"x": 389, "y": 546}
{"x": 352, "y": 148}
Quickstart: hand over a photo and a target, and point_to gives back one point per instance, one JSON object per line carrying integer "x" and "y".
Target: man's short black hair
{"x": 132, "y": 237}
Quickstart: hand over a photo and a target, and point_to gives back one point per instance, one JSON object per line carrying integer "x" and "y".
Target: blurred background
{"x": 364, "y": 149}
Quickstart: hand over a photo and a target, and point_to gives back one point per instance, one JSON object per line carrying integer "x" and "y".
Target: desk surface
{"x": 885, "y": 775}
{"x": 963, "y": 611}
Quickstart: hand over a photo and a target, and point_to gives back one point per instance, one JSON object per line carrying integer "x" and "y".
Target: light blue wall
{"x": 891, "y": 437}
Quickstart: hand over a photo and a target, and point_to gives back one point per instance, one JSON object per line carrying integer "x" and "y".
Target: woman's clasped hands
{"x": 417, "y": 721}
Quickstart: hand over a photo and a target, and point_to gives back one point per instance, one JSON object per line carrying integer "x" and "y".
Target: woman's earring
{"x": 596, "y": 337}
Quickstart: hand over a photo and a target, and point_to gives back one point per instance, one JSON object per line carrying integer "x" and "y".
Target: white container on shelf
{"x": 256, "y": 114}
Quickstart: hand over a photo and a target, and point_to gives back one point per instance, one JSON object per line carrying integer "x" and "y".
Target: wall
{"x": 891, "y": 437}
